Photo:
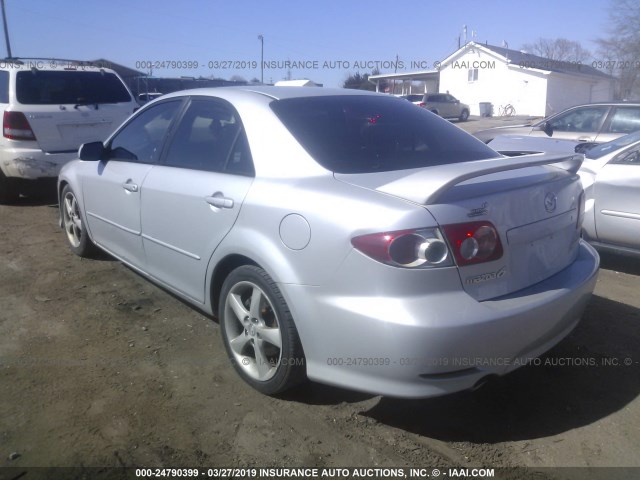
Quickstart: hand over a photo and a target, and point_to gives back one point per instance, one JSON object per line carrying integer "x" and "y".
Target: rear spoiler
{"x": 434, "y": 181}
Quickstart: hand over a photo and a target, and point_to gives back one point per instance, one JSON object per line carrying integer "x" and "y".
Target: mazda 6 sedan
{"x": 341, "y": 236}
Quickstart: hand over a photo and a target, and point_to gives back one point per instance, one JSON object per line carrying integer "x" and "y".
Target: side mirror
{"x": 546, "y": 128}
{"x": 585, "y": 147}
{"x": 91, "y": 152}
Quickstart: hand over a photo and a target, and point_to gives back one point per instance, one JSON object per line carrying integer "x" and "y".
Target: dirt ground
{"x": 99, "y": 367}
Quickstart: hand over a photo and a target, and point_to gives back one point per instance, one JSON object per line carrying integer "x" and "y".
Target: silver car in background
{"x": 596, "y": 122}
{"x": 342, "y": 236}
{"x": 611, "y": 178}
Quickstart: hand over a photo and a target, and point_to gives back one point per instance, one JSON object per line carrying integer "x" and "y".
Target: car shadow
{"x": 39, "y": 200}
{"x": 620, "y": 263}
{"x": 311, "y": 393}
{"x": 582, "y": 380}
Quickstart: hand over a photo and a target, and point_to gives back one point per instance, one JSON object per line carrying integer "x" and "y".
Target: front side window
{"x": 43, "y": 87}
{"x": 625, "y": 120}
{"x": 585, "y": 120}
{"x": 142, "y": 138}
{"x": 370, "y": 133}
{"x": 210, "y": 137}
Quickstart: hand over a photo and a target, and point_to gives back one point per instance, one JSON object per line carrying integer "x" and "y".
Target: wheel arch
{"x": 235, "y": 250}
{"x": 221, "y": 271}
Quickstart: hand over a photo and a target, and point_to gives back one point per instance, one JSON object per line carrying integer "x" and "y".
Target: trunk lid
{"x": 533, "y": 204}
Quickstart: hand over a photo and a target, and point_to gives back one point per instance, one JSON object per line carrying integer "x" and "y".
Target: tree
{"x": 619, "y": 52}
{"x": 559, "y": 49}
{"x": 361, "y": 82}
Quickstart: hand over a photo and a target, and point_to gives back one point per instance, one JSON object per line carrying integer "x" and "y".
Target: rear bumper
{"x": 404, "y": 339}
{"x": 31, "y": 163}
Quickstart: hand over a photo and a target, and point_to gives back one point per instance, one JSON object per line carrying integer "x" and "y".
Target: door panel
{"x": 113, "y": 208}
{"x": 182, "y": 225}
{"x": 617, "y": 201}
{"x": 191, "y": 201}
{"x": 112, "y": 192}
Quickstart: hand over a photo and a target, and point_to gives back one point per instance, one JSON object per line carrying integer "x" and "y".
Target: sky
{"x": 328, "y": 39}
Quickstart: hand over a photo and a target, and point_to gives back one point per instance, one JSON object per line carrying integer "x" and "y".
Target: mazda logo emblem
{"x": 550, "y": 201}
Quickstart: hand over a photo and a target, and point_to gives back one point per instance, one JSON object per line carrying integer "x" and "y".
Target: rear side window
{"x": 4, "y": 86}
{"x": 361, "y": 134}
{"x": 69, "y": 87}
{"x": 210, "y": 137}
{"x": 625, "y": 120}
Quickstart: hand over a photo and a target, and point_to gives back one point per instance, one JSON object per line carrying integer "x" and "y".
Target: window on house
{"x": 472, "y": 75}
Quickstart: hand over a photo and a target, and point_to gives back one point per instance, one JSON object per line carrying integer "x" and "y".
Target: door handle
{"x": 219, "y": 200}
{"x": 130, "y": 186}
{"x": 584, "y": 139}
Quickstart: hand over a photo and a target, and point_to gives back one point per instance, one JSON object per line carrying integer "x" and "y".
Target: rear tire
{"x": 258, "y": 332}
{"x": 73, "y": 224}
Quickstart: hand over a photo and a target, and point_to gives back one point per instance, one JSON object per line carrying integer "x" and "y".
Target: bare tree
{"x": 619, "y": 52}
{"x": 559, "y": 49}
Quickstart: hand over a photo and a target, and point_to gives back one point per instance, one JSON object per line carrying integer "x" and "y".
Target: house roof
{"x": 528, "y": 60}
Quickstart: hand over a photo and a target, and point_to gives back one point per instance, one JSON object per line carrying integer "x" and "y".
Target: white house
{"x": 533, "y": 85}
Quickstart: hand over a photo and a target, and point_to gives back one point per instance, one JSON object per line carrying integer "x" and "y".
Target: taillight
{"x": 406, "y": 248}
{"x": 16, "y": 126}
{"x": 421, "y": 104}
{"x": 473, "y": 242}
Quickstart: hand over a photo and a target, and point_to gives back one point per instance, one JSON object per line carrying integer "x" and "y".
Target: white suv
{"x": 50, "y": 108}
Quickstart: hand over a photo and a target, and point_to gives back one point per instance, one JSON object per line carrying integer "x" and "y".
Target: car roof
{"x": 50, "y": 64}
{"x": 275, "y": 93}
{"x": 635, "y": 103}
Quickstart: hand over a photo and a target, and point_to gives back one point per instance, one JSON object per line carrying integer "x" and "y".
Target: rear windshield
{"x": 69, "y": 87}
{"x": 362, "y": 134}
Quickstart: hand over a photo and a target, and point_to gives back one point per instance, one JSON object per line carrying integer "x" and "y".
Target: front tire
{"x": 77, "y": 236}
{"x": 258, "y": 332}
{"x": 464, "y": 115}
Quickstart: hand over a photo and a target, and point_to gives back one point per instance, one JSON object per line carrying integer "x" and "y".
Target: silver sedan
{"x": 342, "y": 236}
{"x": 611, "y": 178}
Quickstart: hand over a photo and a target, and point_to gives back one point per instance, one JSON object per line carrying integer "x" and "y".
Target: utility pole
{"x": 6, "y": 30}
{"x": 261, "y": 38}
